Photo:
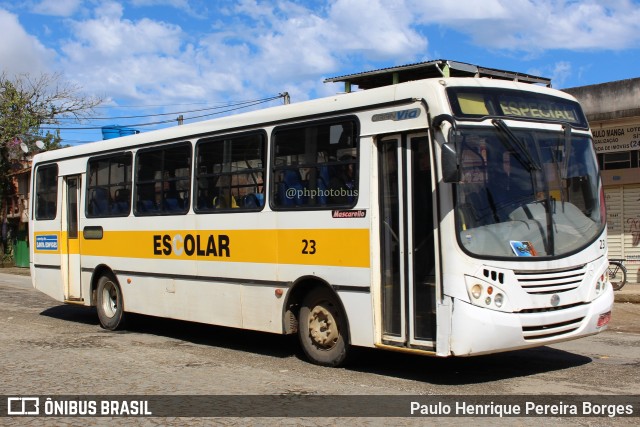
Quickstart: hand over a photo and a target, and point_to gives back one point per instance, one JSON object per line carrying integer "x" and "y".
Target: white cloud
{"x": 260, "y": 49}
{"x": 285, "y": 41}
{"x": 448, "y": 12}
{"x": 561, "y": 71}
{"x": 121, "y": 57}
{"x": 195, "y": 9}
{"x": 57, "y": 7}
{"x": 539, "y": 25}
{"x": 109, "y": 35}
{"x": 379, "y": 29}
{"x": 19, "y": 51}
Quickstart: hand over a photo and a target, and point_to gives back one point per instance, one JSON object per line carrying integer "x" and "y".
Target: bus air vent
{"x": 493, "y": 275}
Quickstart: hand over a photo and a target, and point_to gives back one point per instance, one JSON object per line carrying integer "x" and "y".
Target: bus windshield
{"x": 526, "y": 192}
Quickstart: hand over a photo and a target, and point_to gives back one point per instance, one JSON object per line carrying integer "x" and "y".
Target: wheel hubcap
{"x": 109, "y": 299}
{"x": 323, "y": 328}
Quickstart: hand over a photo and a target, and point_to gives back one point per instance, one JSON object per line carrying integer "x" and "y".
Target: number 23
{"x": 309, "y": 247}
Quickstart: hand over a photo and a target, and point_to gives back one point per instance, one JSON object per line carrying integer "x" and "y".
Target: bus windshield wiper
{"x": 567, "y": 150}
{"x": 515, "y": 144}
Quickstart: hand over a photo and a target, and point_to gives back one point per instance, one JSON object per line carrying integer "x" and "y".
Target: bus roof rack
{"x": 430, "y": 70}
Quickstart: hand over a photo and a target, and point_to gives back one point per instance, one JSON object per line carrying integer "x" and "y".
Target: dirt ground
{"x": 625, "y": 318}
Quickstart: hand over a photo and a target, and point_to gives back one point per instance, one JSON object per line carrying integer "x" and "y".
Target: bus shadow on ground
{"x": 434, "y": 370}
{"x": 73, "y": 313}
{"x": 262, "y": 343}
{"x": 466, "y": 370}
{"x": 196, "y": 333}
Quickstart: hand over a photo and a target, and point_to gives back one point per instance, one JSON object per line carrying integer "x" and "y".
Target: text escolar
{"x": 190, "y": 245}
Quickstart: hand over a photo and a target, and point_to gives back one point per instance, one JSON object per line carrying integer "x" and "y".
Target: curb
{"x": 633, "y": 298}
{"x": 18, "y": 271}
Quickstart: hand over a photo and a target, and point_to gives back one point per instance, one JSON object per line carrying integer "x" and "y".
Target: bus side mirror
{"x": 449, "y": 154}
{"x": 449, "y": 162}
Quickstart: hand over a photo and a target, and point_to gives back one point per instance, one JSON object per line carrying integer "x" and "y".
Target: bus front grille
{"x": 551, "y": 330}
{"x": 549, "y": 309}
{"x": 551, "y": 281}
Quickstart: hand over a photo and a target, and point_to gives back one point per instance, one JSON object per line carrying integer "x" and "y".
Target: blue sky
{"x": 170, "y": 56}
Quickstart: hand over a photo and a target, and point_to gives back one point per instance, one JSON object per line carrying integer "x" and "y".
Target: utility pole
{"x": 287, "y": 98}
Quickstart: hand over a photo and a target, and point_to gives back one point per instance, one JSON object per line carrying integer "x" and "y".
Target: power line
{"x": 238, "y": 106}
{"x": 178, "y": 112}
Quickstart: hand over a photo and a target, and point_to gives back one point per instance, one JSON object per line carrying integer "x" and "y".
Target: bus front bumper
{"x": 476, "y": 330}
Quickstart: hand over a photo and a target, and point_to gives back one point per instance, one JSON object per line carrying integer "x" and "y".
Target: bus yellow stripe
{"x": 333, "y": 247}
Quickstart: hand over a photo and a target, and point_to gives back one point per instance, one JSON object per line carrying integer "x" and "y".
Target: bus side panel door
{"x": 70, "y": 238}
{"x": 407, "y": 246}
{"x": 392, "y": 252}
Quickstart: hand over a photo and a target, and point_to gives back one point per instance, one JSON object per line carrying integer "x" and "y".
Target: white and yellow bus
{"x": 447, "y": 216}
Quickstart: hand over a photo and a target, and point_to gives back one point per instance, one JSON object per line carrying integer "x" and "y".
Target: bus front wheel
{"x": 323, "y": 328}
{"x": 110, "y": 303}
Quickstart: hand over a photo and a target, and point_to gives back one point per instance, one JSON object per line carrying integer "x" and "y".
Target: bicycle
{"x": 617, "y": 273}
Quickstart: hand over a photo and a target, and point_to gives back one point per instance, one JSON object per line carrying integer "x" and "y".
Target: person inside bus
{"x": 342, "y": 183}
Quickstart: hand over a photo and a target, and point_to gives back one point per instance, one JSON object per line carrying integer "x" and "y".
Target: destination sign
{"x": 538, "y": 109}
{"x": 482, "y": 102}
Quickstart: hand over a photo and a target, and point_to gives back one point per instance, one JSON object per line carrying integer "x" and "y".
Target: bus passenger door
{"x": 70, "y": 215}
{"x": 407, "y": 245}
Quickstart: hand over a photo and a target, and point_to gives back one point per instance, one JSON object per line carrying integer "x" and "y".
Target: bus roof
{"x": 428, "y": 70}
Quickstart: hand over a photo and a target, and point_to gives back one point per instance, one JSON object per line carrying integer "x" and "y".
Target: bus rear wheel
{"x": 110, "y": 304}
{"x": 323, "y": 328}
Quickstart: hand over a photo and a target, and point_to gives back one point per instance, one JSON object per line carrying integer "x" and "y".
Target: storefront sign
{"x": 618, "y": 138}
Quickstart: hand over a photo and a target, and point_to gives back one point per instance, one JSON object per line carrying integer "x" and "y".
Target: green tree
{"x": 28, "y": 102}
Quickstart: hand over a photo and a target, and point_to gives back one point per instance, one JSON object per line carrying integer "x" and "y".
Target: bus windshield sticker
{"x": 359, "y": 213}
{"x": 523, "y": 248}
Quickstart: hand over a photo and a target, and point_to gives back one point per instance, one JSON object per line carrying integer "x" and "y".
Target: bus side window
{"x": 109, "y": 185}
{"x": 163, "y": 180}
{"x": 315, "y": 165}
{"x": 46, "y": 192}
{"x": 230, "y": 173}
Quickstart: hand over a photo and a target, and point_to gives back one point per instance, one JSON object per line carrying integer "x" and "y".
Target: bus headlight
{"x": 601, "y": 283}
{"x": 599, "y": 286}
{"x": 488, "y": 295}
{"x": 476, "y": 291}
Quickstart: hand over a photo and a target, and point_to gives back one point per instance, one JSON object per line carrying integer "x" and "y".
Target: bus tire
{"x": 110, "y": 303}
{"x": 322, "y": 328}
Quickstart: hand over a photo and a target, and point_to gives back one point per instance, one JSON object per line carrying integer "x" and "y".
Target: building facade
{"x": 613, "y": 111}
{"x": 15, "y": 215}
